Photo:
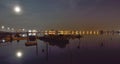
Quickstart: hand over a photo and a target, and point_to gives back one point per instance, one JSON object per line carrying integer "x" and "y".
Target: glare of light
{"x": 30, "y": 34}
{"x": 83, "y": 32}
{"x": 23, "y": 29}
{"x": 8, "y": 28}
{"x": 29, "y": 30}
{"x": 72, "y": 32}
{"x": 46, "y": 33}
{"x": 3, "y": 40}
{"x": 94, "y": 32}
{"x": 34, "y": 34}
{"x": 87, "y": 32}
{"x": 12, "y": 29}
{"x": 23, "y": 35}
{"x": 3, "y": 27}
{"x": 19, "y": 54}
{"x": 80, "y": 32}
{"x": 34, "y": 30}
{"x": 97, "y": 32}
{"x": 61, "y": 32}
{"x": 90, "y": 32}
{"x": 77, "y": 32}
{"x": 17, "y": 9}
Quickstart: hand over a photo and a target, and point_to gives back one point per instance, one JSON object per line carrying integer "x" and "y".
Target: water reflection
{"x": 59, "y": 40}
{"x": 78, "y": 44}
{"x": 19, "y": 54}
{"x": 101, "y": 44}
{"x": 84, "y": 50}
{"x": 61, "y": 44}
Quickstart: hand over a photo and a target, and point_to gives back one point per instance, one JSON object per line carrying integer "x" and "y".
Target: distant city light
{"x": 30, "y": 34}
{"x": 34, "y": 34}
{"x": 34, "y": 30}
{"x": 3, "y": 40}
{"x": 83, "y": 32}
{"x": 90, "y": 32}
{"x": 12, "y": 29}
{"x": 97, "y": 32}
{"x": 94, "y": 32}
{"x": 87, "y": 32}
{"x": 24, "y": 35}
{"x": 3, "y": 27}
{"x": 8, "y": 28}
{"x": 23, "y": 29}
{"x": 80, "y": 32}
{"x": 29, "y": 30}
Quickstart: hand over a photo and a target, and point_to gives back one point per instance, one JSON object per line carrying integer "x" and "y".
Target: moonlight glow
{"x": 19, "y": 54}
{"x": 17, "y": 9}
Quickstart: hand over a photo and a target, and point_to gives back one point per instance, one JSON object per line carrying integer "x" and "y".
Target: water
{"x": 101, "y": 49}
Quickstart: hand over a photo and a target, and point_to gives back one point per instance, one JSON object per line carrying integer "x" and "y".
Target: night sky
{"x": 60, "y": 14}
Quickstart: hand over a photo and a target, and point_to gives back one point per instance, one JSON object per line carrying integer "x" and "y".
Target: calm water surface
{"x": 101, "y": 49}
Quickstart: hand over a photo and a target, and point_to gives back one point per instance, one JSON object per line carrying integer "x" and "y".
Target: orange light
{"x": 94, "y": 32}
{"x": 83, "y": 32}
{"x": 90, "y": 32}
{"x": 80, "y": 32}
{"x": 87, "y": 32}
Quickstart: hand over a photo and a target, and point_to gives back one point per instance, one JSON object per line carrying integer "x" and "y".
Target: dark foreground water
{"x": 101, "y": 49}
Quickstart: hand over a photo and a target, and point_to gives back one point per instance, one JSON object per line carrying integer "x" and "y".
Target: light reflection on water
{"x": 89, "y": 49}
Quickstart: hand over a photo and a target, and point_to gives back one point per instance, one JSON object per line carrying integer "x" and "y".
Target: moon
{"x": 17, "y": 9}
